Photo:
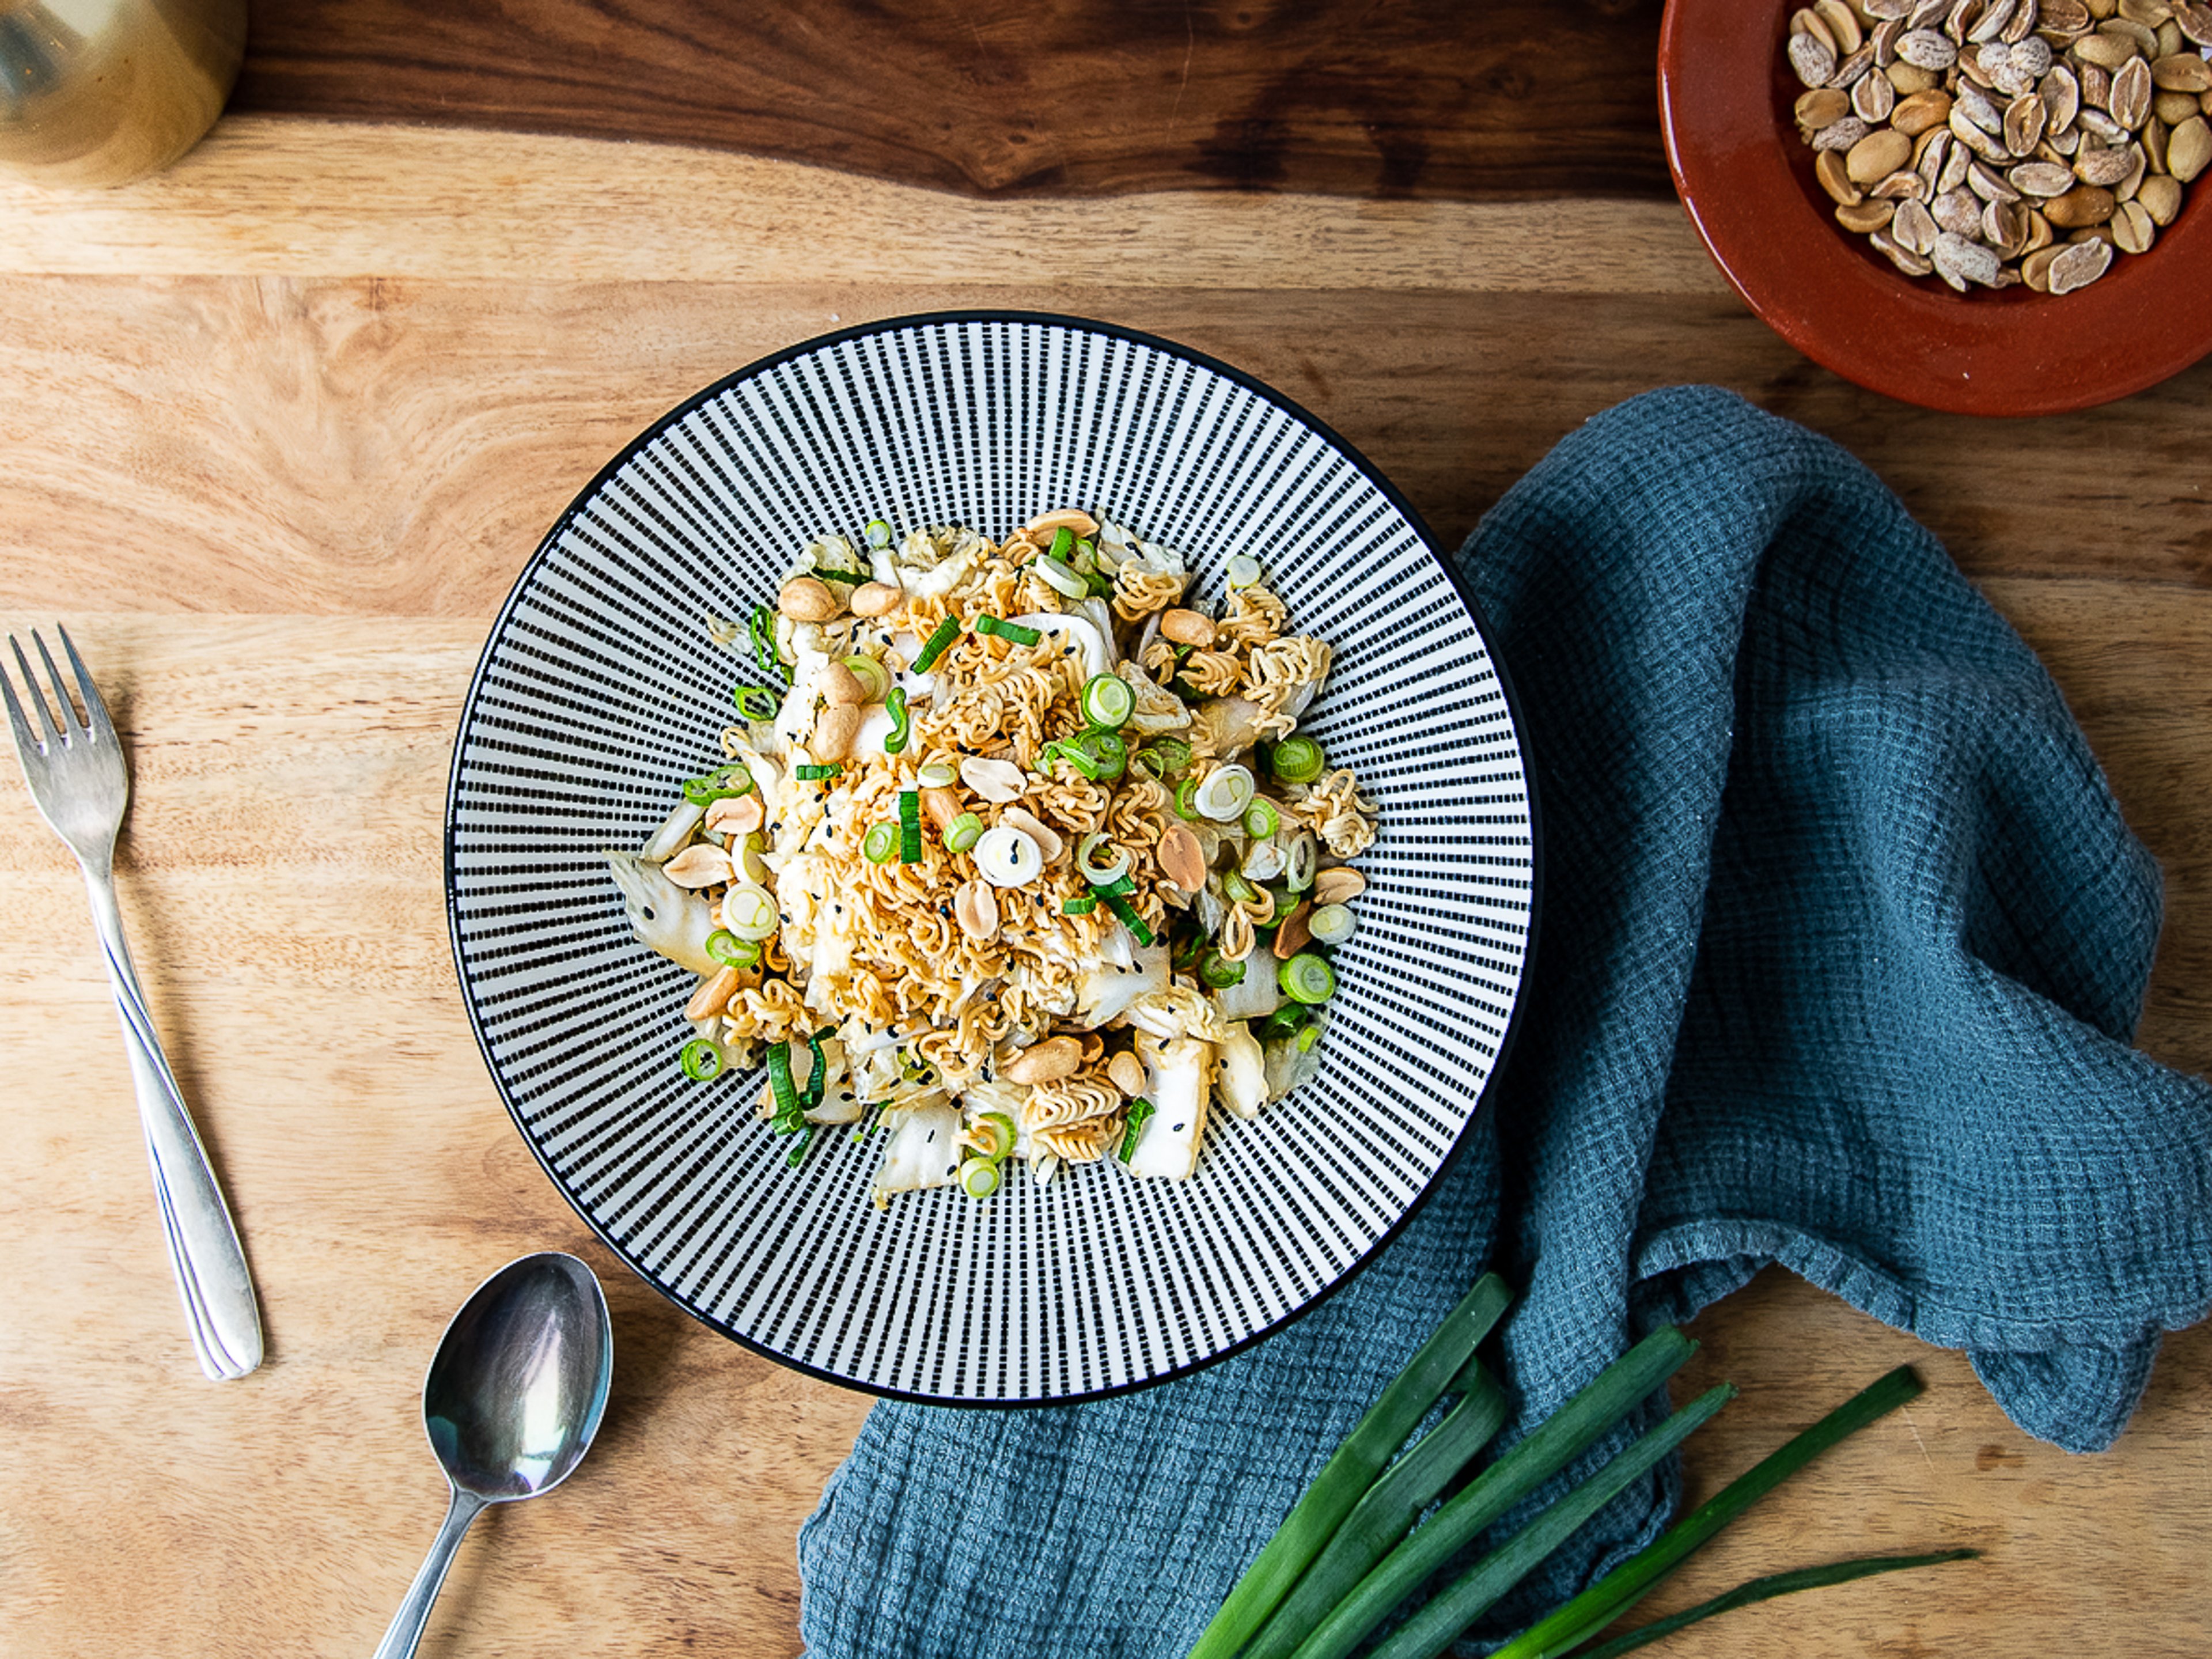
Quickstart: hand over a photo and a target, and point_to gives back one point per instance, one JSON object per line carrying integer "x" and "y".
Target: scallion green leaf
{"x": 762, "y": 629}
{"x": 779, "y": 1080}
{"x": 1561, "y": 1438}
{"x": 1766, "y": 1590}
{"x": 1451, "y": 1610}
{"x": 1603, "y": 1602}
{"x": 934, "y": 647}
{"x": 895, "y": 706}
{"x": 1352, "y": 1468}
{"x": 1388, "y": 1510}
{"x": 1140, "y": 1109}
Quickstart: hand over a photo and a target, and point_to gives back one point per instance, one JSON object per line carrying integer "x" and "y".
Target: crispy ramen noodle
{"x": 917, "y": 1000}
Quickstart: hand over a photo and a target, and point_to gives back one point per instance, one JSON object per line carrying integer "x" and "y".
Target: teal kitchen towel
{"x": 1843, "y": 941}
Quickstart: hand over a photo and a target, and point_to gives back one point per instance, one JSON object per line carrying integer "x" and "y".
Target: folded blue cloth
{"x": 1842, "y": 940}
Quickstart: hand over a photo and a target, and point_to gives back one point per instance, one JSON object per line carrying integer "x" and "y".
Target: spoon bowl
{"x": 511, "y": 1402}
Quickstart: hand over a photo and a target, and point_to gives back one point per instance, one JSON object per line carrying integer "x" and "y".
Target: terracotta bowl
{"x": 1725, "y": 98}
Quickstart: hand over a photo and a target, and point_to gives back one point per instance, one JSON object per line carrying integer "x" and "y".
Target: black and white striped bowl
{"x": 599, "y": 690}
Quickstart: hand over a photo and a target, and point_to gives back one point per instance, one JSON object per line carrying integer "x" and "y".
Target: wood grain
{"x": 278, "y": 445}
{"x": 1425, "y": 97}
{"x": 275, "y": 197}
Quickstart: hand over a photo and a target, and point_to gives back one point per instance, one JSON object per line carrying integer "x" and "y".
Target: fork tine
{"x": 26, "y": 743}
{"x": 61, "y": 689}
{"x": 31, "y": 690}
{"x": 95, "y": 706}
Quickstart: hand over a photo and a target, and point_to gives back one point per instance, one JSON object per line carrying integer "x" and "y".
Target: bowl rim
{"x": 1748, "y": 191}
{"x": 1476, "y": 1116}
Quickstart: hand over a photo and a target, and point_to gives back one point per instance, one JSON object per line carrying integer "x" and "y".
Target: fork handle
{"x": 212, "y": 1279}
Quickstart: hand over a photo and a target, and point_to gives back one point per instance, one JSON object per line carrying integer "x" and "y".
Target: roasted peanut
{"x": 807, "y": 598}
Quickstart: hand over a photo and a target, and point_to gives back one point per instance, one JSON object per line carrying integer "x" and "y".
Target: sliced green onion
{"x": 1261, "y": 820}
{"x": 937, "y": 776}
{"x": 1306, "y": 978}
{"x": 1097, "y": 873}
{"x": 1054, "y": 573}
{"x": 762, "y": 629}
{"x": 1332, "y": 924}
{"x": 726, "y": 948}
{"x": 1307, "y": 1038}
{"x": 1075, "y": 756}
{"x": 867, "y": 1126}
{"x": 1109, "y": 700}
{"x": 721, "y": 784}
{"x": 895, "y": 705}
{"x": 1357, "y": 1607}
{"x": 1443, "y": 1616}
{"x": 1130, "y": 919}
{"x": 1007, "y": 857}
{"x": 910, "y": 826}
{"x": 1766, "y": 1590}
{"x": 1078, "y": 906}
{"x": 1114, "y": 887}
{"x": 1085, "y": 554}
{"x": 1297, "y": 760}
{"x": 1218, "y": 971}
{"x": 818, "y": 1075}
{"x": 1109, "y": 751}
{"x": 1139, "y": 1109}
{"x": 749, "y": 912}
{"x": 1063, "y": 544}
{"x": 878, "y": 533}
{"x": 1243, "y": 571}
{"x": 962, "y": 833}
{"x": 797, "y": 1154}
{"x": 1184, "y": 806}
{"x": 1238, "y": 890}
{"x": 810, "y": 773}
{"x": 779, "y": 1080}
{"x": 1019, "y": 635}
{"x": 875, "y": 679}
{"x": 1003, "y": 1133}
{"x": 1164, "y": 758}
{"x": 934, "y": 647}
{"x": 1600, "y": 1604}
{"x": 1352, "y": 1468}
{"x": 1101, "y": 586}
{"x": 880, "y": 844}
{"x": 1388, "y": 1510}
{"x": 755, "y": 703}
{"x": 1304, "y": 856}
{"x": 830, "y": 574}
{"x": 700, "y": 1060}
{"x": 1224, "y": 793}
{"x": 979, "y": 1177}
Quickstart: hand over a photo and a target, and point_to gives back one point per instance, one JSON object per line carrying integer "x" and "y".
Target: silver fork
{"x": 82, "y": 786}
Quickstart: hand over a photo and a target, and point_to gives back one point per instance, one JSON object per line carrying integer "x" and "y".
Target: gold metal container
{"x": 101, "y": 92}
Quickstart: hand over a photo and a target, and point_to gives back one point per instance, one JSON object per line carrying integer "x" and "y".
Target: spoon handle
{"x": 414, "y": 1613}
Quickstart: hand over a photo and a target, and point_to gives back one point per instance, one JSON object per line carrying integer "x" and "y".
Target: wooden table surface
{"x": 283, "y": 425}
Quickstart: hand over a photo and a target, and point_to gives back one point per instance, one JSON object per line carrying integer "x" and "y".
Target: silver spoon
{"x": 511, "y": 1401}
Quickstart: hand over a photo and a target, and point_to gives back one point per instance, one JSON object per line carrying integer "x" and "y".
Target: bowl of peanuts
{"x": 1991, "y": 207}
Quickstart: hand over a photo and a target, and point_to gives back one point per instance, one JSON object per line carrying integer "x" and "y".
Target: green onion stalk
{"x": 1351, "y": 1469}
